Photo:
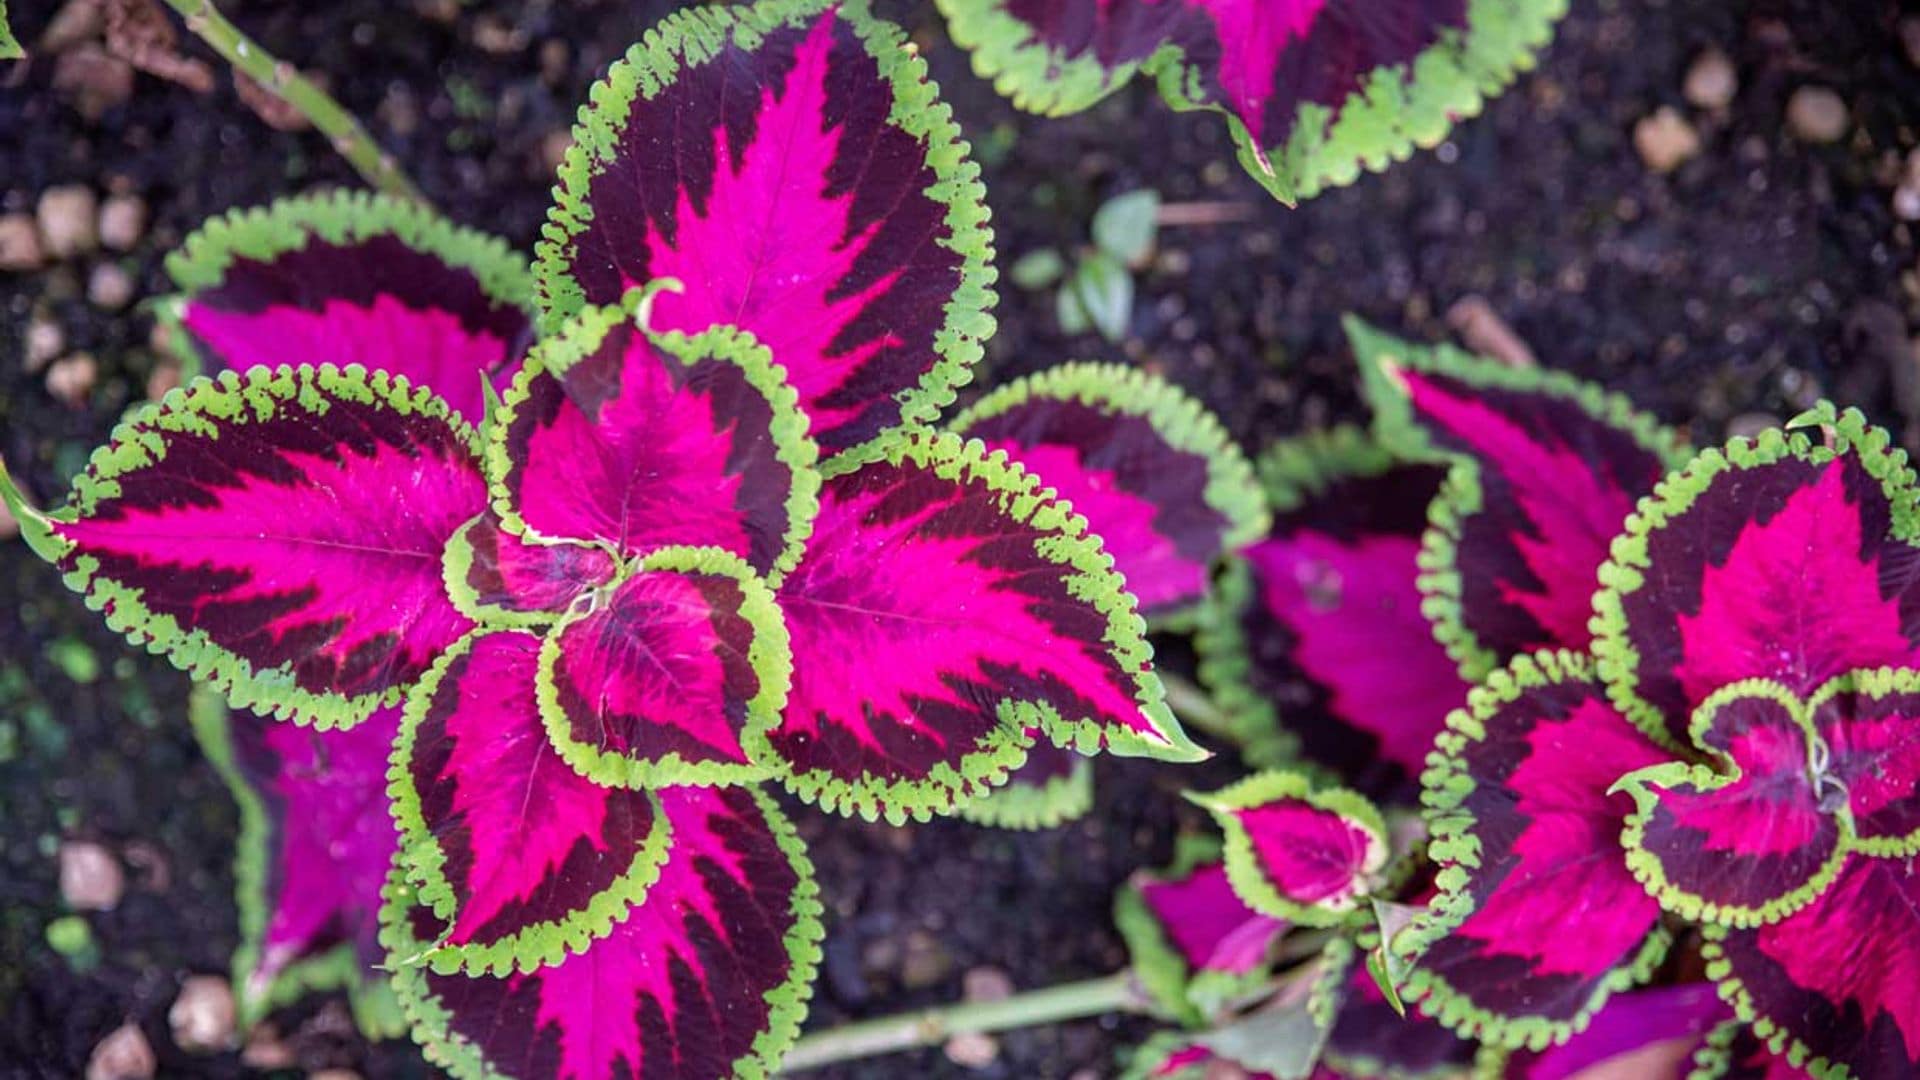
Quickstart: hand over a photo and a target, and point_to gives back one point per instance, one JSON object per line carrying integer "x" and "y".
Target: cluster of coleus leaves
{"x": 1312, "y": 91}
{"x": 1642, "y": 727}
{"x": 530, "y": 586}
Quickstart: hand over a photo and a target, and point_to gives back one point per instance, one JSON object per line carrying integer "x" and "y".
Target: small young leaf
{"x": 707, "y": 975}
{"x": 1124, "y": 226}
{"x": 790, "y": 162}
{"x": 944, "y": 609}
{"x": 1194, "y": 944}
{"x": 1538, "y": 919}
{"x": 1104, "y": 290}
{"x": 641, "y": 441}
{"x": 1153, "y": 472}
{"x": 1037, "y": 269}
{"x": 1296, "y": 852}
{"x": 353, "y": 278}
{"x": 500, "y": 579}
{"x": 279, "y": 535}
{"x": 1071, "y": 313}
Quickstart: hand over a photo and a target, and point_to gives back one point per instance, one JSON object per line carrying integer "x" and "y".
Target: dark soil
{"x": 1747, "y": 281}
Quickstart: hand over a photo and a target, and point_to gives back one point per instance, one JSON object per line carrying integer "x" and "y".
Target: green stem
{"x": 930, "y": 1027}
{"x": 349, "y": 139}
{"x": 1189, "y": 702}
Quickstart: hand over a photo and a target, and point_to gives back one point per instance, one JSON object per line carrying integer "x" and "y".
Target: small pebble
{"x": 92, "y": 80}
{"x": 553, "y": 149}
{"x": 1665, "y": 140}
{"x": 202, "y": 1017}
{"x": 123, "y": 221}
{"x": 20, "y": 247}
{"x": 924, "y": 961}
{"x": 67, "y": 216}
{"x": 1816, "y": 114}
{"x": 1750, "y": 424}
{"x": 1711, "y": 82}
{"x": 333, "y": 1074}
{"x": 972, "y": 1050}
{"x": 266, "y": 1051}
{"x": 1482, "y": 330}
{"x": 123, "y": 1055}
{"x": 162, "y": 380}
{"x": 45, "y": 340}
{"x": 90, "y": 877}
{"x": 986, "y": 984}
{"x": 70, "y": 380}
{"x": 109, "y": 288}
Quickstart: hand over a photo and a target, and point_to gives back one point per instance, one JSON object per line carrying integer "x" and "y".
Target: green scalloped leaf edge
{"x": 1065, "y": 543}
{"x": 1155, "y": 961}
{"x": 339, "y": 217}
{"x": 1291, "y": 472}
{"x": 789, "y": 999}
{"x": 1461, "y": 497}
{"x": 1454, "y": 845}
{"x": 139, "y": 441}
{"x": 770, "y": 654}
{"x": 1029, "y": 807}
{"x": 1703, "y": 778}
{"x": 582, "y": 334}
{"x": 1244, "y": 872}
{"x": 1623, "y": 573}
{"x": 1395, "y": 110}
{"x": 695, "y": 35}
{"x": 1734, "y": 992}
{"x": 1177, "y": 417}
{"x": 334, "y": 969}
{"x": 423, "y": 862}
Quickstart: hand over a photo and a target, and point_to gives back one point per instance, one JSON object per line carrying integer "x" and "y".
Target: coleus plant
{"x": 519, "y": 632}
{"x": 1687, "y": 708}
{"x": 1311, "y": 91}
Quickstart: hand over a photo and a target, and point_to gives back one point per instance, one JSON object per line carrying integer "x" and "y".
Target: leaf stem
{"x": 930, "y": 1027}
{"x": 349, "y": 139}
{"x": 1190, "y": 702}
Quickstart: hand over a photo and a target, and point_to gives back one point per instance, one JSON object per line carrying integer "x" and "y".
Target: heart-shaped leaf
{"x": 1545, "y": 469}
{"x": 944, "y": 609}
{"x": 1537, "y": 919}
{"x": 1313, "y": 91}
{"x": 708, "y": 975}
{"x": 526, "y": 861}
{"x": 642, "y": 441}
{"x": 790, "y": 163}
{"x": 1776, "y": 558}
{"x": 1194, "y": 944}
{"x": 353, "y": 278}
{"x": 1298, "y": 852}
{"x": 1319, "y": 635}
{"x": 277, "y": 534}
{"x": 314, "y": 847}
{"x": 1751, "y": 837}
{"x": 1833, "y": 986}
{"x": 669, "y": 675}
{"x": 1052, "y": 787}
{"x": 500, "y": 579}
{"x": 1157, "y": 478}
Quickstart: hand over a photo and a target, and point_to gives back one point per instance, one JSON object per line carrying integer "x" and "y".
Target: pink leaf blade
{"x": 497, "y": 578}
{"x": 1298, "y": 851}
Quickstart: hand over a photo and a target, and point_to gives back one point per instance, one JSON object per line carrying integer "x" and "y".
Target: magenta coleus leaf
{"x": 1776, "y": 558}
{"x": 353, "y": 278}
{"x": 1319, "y": 635}
{"x": 1370, "y": 1039}
{"x": 944, "y": 610}
{"x": 1733, "y": 1052}
{"x": 497, "y": 578}
{"x": 314, "y": 847}
{"x": 1299, "y": 852}
{"x": 1618, "y": 1037}
{"x": 527, "y": 861}
{"x": 1155, "y": 475}
{"x": 1545, "y": 469}
{"x": 790, "y": 163}
{"x": 1313, "y": 91}
{"x": 1538, "y": 918}
{"x": 1194, "y": 944}
{"x": 277, "y": 534}
{"x": 611, "y": 433}
{"x": 1053, "y": 786}
{"x": 1868, "y": 728}
{"x": 669, "y": 674}
{"x": 1835, "y": 987}
{"x": 1751, "y": 837}
{"x": 707, "y": 975}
